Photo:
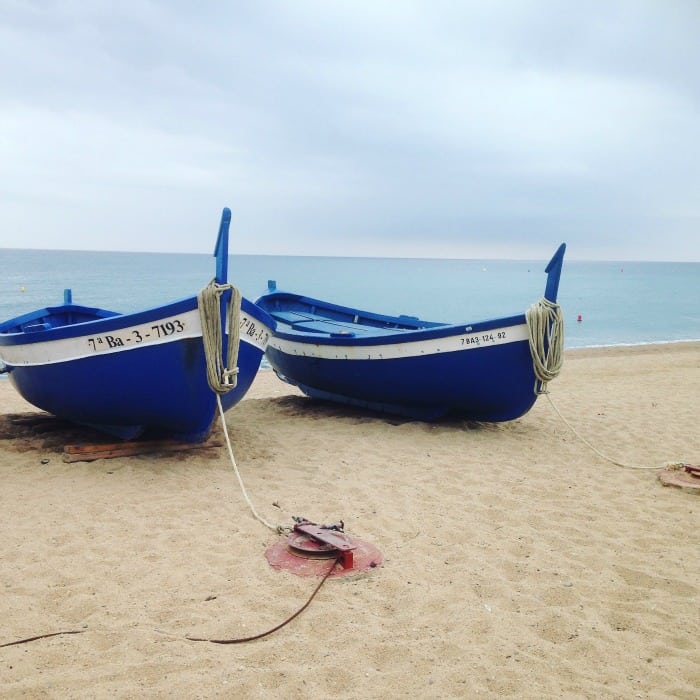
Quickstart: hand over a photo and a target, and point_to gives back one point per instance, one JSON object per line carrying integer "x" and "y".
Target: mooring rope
{"x": 667, "y": 465}
{"x": 41, "y": 636}
{"x": 221, "y": 377}
{"x": 240, "y": 640}
{"x": 276, "y": 528}
{"x": 545, "y": 325}
{"x": 236, "y": 640}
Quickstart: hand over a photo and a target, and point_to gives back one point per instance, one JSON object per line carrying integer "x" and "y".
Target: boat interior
{"x": 338, "y": 321}
{"x": 54, "y": 317}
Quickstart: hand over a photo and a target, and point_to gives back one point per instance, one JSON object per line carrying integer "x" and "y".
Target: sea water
{"x": 604, "y": 303}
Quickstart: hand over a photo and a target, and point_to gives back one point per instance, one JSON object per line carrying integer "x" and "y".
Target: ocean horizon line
{"x": 570, "y": 256}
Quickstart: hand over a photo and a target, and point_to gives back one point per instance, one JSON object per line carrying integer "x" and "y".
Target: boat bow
{"x": 553, "y": 271}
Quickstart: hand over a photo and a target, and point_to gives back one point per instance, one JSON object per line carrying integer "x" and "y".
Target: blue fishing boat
{"x": 490, "y": 370}
{"x": 156, "y": 371}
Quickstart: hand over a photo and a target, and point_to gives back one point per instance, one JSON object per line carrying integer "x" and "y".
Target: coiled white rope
{"x": 221, "y": 377}
{"x": 545, "y": 325}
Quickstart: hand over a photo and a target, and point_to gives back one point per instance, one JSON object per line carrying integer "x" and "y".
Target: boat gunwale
{"x": 113, "y": 322}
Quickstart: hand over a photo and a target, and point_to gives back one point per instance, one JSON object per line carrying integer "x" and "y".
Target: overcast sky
{"x": 375, "y": 128}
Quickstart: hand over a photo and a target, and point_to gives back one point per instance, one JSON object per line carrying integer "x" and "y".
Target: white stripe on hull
{"x": 168, "y": 329}
{"x": 397, "y": 350}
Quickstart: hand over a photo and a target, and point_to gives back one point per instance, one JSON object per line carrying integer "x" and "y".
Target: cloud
{"x": 413, "y": 128}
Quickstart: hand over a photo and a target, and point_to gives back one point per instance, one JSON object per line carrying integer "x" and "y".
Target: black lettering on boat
{"x": 114, "y": 341}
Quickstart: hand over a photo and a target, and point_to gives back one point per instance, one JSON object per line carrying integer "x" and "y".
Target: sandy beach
{"x": 518, "y": 563}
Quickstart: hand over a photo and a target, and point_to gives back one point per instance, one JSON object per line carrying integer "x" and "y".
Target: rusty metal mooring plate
{"x": 305, "y": 546}
{"x": 302, "y": 561}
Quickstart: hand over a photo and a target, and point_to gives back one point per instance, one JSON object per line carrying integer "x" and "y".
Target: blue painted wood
{"x": 553, "y": 271}
{"x": 402, "y": 364}
{"x": 161, "y": 388}
{"x": 157, "y": 384}
{"x": 221, "y": 247}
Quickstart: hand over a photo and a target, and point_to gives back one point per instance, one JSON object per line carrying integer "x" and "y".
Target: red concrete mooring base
{"x": 303, "y": 562}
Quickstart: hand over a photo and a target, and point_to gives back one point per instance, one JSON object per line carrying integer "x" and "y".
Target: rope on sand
{"x": 240, "y": 640}
{"x": 667, "y": 465}
{"x": 545, "y": 324}
{"x": 41, "y": 636}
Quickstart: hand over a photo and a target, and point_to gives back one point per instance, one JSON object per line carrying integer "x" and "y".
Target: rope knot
{"x": 230, "y": 377}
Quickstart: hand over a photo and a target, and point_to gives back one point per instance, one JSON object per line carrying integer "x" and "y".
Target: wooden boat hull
{"x": 431, "y": 379}
{"x": 128, "y": 374}
{"x": 119, "y": 375}
{"x": 480, "y": 371}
